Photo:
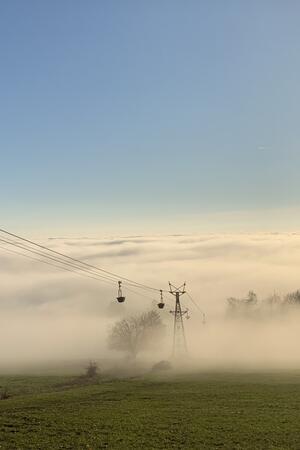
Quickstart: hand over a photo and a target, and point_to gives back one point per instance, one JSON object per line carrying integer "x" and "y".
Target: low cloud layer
{"x": 50, "y": 313}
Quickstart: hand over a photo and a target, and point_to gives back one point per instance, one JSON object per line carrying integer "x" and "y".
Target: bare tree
{"x": 242, "y": 306}
{"x": 4, "y": 395}
{"x": 293, "y": 298}
{"x": 91, "y": 370}
{"x": 136, "y": 333}
{"x": 273, "y": 300}
{"x": 271, "y": 306}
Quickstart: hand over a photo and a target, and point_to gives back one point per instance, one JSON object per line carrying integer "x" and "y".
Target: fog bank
{"x": 46, "y": 313}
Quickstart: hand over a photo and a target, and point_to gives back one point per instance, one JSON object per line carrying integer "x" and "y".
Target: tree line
{"x": 250, "y": 306}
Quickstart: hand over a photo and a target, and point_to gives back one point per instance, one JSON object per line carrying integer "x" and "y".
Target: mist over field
{"x": 49, "y": 314}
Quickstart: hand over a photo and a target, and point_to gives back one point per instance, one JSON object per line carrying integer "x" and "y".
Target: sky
{"x": 156, "y": 116}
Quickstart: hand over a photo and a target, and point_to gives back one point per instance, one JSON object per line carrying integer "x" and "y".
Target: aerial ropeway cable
{"x": 67, "y": 263}
{"x": 111, "y": 274}
{"x": 78, "y": 267}
{"x": 85, "y": 275}
{"x": 52, "y": 258}
{"x": 198, "y": 307}
{"x": 32, "y": 258}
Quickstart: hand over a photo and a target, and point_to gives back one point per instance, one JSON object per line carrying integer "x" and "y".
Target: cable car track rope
{"x": 109, "y": 275}
{"x": 32, "y": 258}
{"x": 74, "y": 265}
{"x": 83, "y": 274}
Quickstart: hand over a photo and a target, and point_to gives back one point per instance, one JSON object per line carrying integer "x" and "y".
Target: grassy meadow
{"x": 204, "y": 411}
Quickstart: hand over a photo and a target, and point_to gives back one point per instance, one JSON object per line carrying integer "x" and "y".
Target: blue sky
{"x": 129, "y": 110}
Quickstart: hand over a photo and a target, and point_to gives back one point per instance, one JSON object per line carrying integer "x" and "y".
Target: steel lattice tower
{"x": 179, "y": 340}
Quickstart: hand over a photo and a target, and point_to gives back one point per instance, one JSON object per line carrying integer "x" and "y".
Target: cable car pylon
{"x": 179, "y": 339}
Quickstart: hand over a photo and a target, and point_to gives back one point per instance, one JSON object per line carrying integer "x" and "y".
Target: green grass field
{"x": 205, "y": 411}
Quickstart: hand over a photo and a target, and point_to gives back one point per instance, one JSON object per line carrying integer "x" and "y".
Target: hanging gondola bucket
{"x": 161, "y": 304}
{"x": 120, "y": 296}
